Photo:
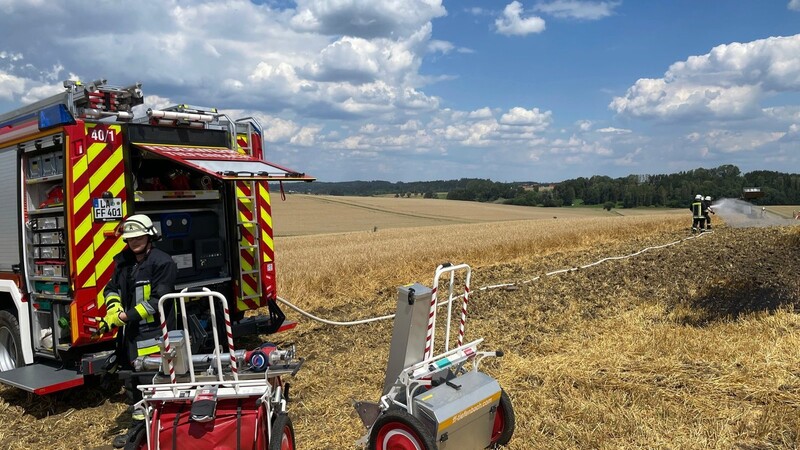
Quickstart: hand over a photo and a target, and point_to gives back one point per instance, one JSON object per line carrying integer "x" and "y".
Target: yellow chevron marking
{"x": 264, "y": 193}
{"x": 79, "y": 168}
{"x": 98, "y": 237}
{"x": 246, "y": 265}
{"x": 83, "y": 229}
{"x": 105, "y": 169}
{"x": 83, "y": 261}
{"x": 81, "y": 198}
{"x": 265, "y": 217}
{"x": 95, "y": 150}
{"x": 247, "y": 290}
{"x": 104, "y": 263}
{"x": 267, "y": 239}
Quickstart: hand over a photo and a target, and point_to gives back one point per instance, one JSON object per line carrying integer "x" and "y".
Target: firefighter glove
{"x": 109, "y": 322}
{"x": 113, "y": 305}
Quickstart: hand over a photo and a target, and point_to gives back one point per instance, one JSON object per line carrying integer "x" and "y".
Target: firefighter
{"x": 707, "y": 211}
{"x": 142, "y": 274}
{"x": 698, "y": 221}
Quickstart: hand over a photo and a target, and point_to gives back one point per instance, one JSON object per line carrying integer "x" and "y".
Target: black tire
{"x": 505, "y": 421}
{"x": 398, "y": 429}
{"x": 282, "y": 433}
{"x": 10, "y": 342}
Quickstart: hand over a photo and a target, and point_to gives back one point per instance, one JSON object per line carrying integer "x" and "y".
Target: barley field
{"x": 693, "y": 345}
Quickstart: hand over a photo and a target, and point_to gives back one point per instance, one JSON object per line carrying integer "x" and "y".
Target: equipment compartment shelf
{"x": 64, "y": 298}
{"x": 48, "y": 210}
{"x": 58, "y": 177}
{"x": 43, "y": 278}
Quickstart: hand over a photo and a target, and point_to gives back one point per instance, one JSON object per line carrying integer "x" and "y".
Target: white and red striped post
{"x": 431, "y": 321}
{"x": 165, "y": 333}
{"x": 231, "y": 350}
{"x": 463, "y": 313}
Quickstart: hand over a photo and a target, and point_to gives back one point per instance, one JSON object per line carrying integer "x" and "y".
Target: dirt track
{"x": 569, "y": 391}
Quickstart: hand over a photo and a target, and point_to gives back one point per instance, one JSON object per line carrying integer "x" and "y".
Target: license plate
{"x": 107, "y": 209}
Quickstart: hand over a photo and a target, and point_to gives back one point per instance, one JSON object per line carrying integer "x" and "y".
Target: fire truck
{"x": 72, "y": 168}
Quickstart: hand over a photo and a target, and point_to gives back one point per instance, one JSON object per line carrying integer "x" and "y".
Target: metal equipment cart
{"x": 433, "y": 401}
{"x": 218, "y": 400}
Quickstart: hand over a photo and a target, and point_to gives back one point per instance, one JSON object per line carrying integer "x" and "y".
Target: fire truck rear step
{"x": 42, "y": 378}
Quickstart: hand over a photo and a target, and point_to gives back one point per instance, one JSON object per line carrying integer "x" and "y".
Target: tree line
{"x": 666, "y": 190}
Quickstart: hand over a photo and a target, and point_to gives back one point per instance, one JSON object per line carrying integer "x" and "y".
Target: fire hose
{"x": 486, "y": 288}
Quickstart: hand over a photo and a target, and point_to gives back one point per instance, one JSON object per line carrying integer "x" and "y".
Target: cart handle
{"x": 195, "y": 293}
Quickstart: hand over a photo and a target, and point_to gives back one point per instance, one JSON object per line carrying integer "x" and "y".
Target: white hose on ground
{"x": 486, "y": 288}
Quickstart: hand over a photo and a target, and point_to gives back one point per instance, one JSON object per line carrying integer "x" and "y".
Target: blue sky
{"x": 406, "y": 90}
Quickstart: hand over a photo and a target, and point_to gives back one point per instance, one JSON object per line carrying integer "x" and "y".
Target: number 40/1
{"x": 102, "y": 135}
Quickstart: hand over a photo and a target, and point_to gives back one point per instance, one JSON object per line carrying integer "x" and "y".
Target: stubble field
{"x": 694, "y": 345}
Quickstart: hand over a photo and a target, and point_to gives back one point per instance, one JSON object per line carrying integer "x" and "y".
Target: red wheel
{"x": 504, "y": 421}
{"x": 282, "y": 433}
{"x": 398, "y": 430}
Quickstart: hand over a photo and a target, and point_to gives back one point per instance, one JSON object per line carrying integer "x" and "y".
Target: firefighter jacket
{"x": 697, "y": 209}
{"x": 135, "y": 288}
{"x": 707, "y": 208}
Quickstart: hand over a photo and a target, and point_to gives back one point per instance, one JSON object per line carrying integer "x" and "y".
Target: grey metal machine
{"x": 433, "y": 401}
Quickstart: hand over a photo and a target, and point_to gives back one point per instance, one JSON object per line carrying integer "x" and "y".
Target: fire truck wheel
{"x": 504, "y": 421}
{"x": 10, "y": 343}
{"x": 282, "y": 433}
{"x": 398, "y": 430}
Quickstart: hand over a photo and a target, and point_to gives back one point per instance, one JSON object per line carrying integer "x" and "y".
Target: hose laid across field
{"x": 486, "y": 288}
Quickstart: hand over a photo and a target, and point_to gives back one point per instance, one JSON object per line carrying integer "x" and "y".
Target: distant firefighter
{"x": 707, "y": 211}
{"x": 698, "y": 220}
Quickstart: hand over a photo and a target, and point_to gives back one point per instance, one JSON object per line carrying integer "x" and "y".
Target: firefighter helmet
{"x": 698, "y": 197}
{"x": 708, "y": 198}
{"x": 138, "y": 225}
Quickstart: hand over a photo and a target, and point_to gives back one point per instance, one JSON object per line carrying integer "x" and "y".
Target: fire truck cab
{"x": 72, "y": 168}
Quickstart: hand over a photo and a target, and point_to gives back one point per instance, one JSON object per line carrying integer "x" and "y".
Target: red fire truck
{"x": 72, "y": 167}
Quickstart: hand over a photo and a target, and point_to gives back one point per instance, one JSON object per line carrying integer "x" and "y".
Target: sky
{"x": 418, "y": 90}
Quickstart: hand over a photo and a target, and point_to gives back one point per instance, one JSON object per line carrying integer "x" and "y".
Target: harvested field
{"x": 315, "y": 214}
{"x": 689, "y": 346}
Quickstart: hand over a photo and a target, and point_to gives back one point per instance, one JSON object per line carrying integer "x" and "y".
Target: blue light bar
{"x": 54, "y": 116}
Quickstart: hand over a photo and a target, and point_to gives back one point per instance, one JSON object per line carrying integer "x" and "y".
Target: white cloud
{"x": 728, "y": 82}
{"x": 584, "y": 125}
{"x": 512, "y": 23}
{"x": 438, "y": 46}
{"x": 13, "y": 57}
{"x": 352, "y": 59}
{"x": 575, "y": 145}
{"x": 578, "y": 9}
{"x": 37, "y": 93}
{"x": 10, "y": 86}
{"x": 794, "y": 5}
{"x": 613, "y": 130}
{"x": 531, "y": 117}
{"x": 306, "y": 137}
{"x": 483, "y": 113}
{"x": 365, "y": 18}
{"x": 727, "y": 141}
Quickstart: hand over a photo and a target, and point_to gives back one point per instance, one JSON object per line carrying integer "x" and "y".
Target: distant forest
{"x": 671, "y": 190}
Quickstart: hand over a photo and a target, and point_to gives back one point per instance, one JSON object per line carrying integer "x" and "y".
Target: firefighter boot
{"x": 122, "y": 440}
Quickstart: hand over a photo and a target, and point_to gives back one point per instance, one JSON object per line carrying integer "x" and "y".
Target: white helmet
{"x": 708, "y": 198}
{"x": 138, "y": 225}
{"x": 698, "y": 197}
